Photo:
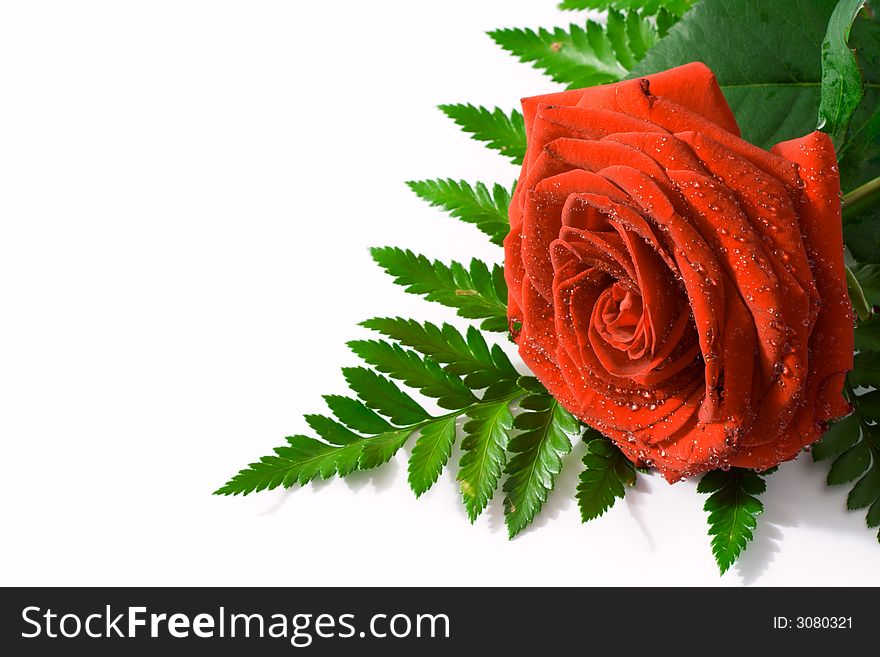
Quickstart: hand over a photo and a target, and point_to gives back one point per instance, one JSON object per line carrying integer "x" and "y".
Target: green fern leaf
{"x": 430, "y": 454}
{"x": 502, "y": 132}
{"x": 850, "y": 465}
{"x": 331, "y": 431}
{"x": 664, "y": 20}
{"x": 383, "y": 396}
{"x": 378, "y": 450}
{"x": 840, "y": 436}
{"x": 424, "y": 375}
{"x": 867, "y": 489}
{"x": 303, "y": 459}
{"x": 340, "y": 450}
{"x": 733, "y": 508}
{"x": 299, "y": 461}
{"x": 486, "y": 434}
{"x": 355, "y": 415}
{"x": 476, "y": 292}
{"x": 537, "y": 458}
{"x": 605, "y": 478}
{"x": 641, "y": 34}
{"x": 854, "y": 444}
{"x": 359, "y": 438}
{"x": 647, "y": 7}
{"x": 469, "y": 356}
{"x": 873, "y": 517}
{"x": 583, "y": 57}
{"x": 477, "y": 205}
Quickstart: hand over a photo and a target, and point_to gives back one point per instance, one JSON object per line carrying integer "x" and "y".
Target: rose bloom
{"x": 673, "y": 286}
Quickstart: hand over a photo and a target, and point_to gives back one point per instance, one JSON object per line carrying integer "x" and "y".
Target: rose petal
{"x": 822, "y": 226}
{"x": 635, "y": 98}
{"x": 667, "y": 150}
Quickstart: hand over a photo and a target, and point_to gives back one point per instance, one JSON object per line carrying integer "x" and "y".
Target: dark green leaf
{"x": 503, "y": 132}
{"x": 486, "y": 434}
{"x": 476, "y": 292}
{"x": 430, "y": 453}
{"x": 842, "y": 86}
{"x": 733, "y": 509}
{"x": 868, "y": 335}
{"x": 860, "y": 154}
{"x": 605, "y": 478}
{"x": 477, "y": 205}
{"x": 869, "y": 405}
{"x": 862, "y": 235}
{"x": 866, "y": 370}
{"x": 766, "y": 56}
{"x": 537, "y": 451}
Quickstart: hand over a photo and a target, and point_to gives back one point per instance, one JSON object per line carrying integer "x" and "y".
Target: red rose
{"x": 675, "y": 287}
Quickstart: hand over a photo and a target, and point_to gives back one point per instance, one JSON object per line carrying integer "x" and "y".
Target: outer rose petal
{"x": 692, "y": 86}
{"x": 832, "y": 336}
{"x": 822, "y": 227}
{"x": 636, "y": 98}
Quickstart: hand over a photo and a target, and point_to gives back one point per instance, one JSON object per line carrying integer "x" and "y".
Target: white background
{"x": 188, "y": 193}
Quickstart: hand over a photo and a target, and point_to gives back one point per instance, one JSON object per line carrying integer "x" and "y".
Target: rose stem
{"x": 861, "y": 198}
